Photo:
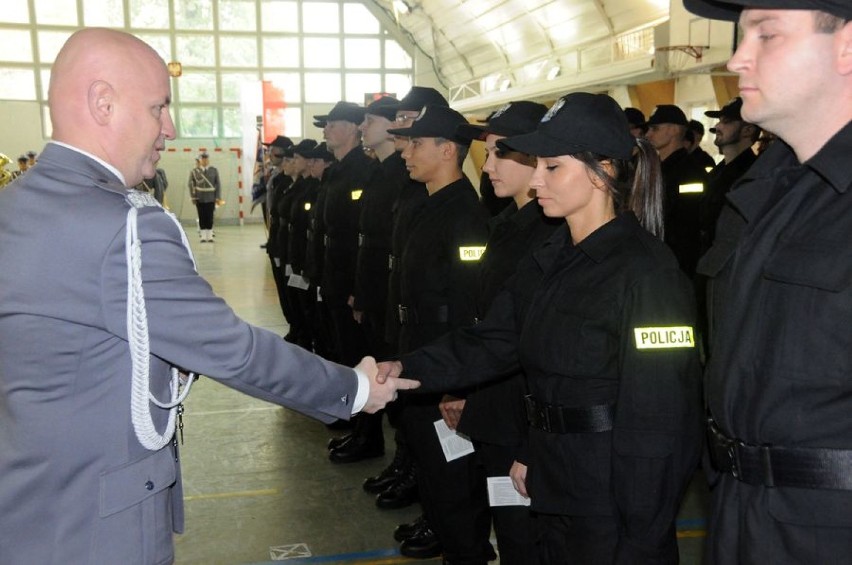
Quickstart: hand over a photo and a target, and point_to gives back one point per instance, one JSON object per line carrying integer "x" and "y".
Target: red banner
{"x": 273, "y": 112}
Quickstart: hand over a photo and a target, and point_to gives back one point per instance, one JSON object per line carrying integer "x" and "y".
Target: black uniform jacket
{"x": 609, "y": 320}
{"x": 411, "y": 195}
{"x": 300, "y": 211}
{"x": 278, "y": 185}
{"x": 780, "y": 299}
{"x": 719, "y": 183}
{"x": 439, "y": 272}
{"x": 315, "y": 248}
{"x": 284, "y": 205}
{"x": 374, "y": 240}
{"x": 685, "y": 183}
{"x": 495, "y": 412}
{"x": 346, "y": 183}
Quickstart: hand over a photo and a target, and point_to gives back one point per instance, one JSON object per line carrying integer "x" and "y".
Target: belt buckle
{"x": 734, "y": 456}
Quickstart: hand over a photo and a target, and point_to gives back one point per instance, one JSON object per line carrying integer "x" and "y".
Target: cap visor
{"x": 539, "y": 145}
{"x": 714, "y": 10}
{"x": 471, "y": 132}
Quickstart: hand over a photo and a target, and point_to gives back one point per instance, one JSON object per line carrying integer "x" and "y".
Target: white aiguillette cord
{"x": 141, "y": 397}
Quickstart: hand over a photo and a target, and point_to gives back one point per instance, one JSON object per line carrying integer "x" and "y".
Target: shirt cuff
{"x": 363, "y": 392}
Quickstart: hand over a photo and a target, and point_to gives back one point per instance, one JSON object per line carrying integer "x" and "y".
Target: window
{"x": 317, "y": 51}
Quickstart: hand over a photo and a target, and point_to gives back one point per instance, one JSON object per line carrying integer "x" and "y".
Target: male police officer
{"x": 684, "y": 180}
{"x": 438, "y": 289}
{"x": 778, "y": 380}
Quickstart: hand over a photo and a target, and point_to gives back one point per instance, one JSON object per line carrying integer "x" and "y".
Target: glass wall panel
{"x": 103, "y": 13}
{"x": 358, "y": 19}
{"x": 237, "y": 51}
{"x": 322, "y": 53}
{"x": 280, "y": 52}
{"x": 198, "y": 122}
{"x": 17, "y": 84}
{"x": 160, "y": 42}
{"x": 322, "y": 87}
{"x": 16, "y": 46}
{"x": 293, "y": 122}
{"x": 395, "y": 56}
{"x": 358, "y": 84}
{"x": 362, "y": 53}
{"x": 194, "y": 14}
{"x": 15, "y": 12}
{"x": 238, "y": 15}
{"x": 231, "y": 84}
{"x": 197, "y": 87}
{"x": 320, "y": 17}
{"x": 149, "y": 14}
{"x": 49, "y": 44}
{"x": 279, "y": 16}
{"x": 196, "y": 50}
{"x": 232, "y": 122}
{"x": 290, "y": 83}
{"x": 57, "y": 12}
{"x": 397, "y": 84}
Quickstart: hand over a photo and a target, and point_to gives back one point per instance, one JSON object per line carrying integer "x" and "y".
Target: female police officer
{"x": 600, "y": 319}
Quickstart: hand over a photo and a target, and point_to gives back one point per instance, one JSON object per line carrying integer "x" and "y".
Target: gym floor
{"x": 258, "y": 486}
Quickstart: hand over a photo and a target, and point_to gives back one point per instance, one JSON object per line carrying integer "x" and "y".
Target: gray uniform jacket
{"x": 204, "y": 185}
{"x": 76, "y": 486}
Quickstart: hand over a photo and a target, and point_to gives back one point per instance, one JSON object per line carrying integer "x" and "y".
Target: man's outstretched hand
{"x": 388, "y": 369}
{"x": 383, "y": 386}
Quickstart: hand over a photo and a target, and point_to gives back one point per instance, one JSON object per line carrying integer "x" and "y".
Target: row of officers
{"x": 380, "y": 245}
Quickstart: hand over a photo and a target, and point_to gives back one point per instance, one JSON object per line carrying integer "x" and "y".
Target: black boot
{"x": 336, "y": 442}
{"x": 423, "y": 544}
{"x": 401, "y": 493}
{"x": 405, "y": 531}
{"x": 390, "y": 474}
{"x": 357, "y": 448}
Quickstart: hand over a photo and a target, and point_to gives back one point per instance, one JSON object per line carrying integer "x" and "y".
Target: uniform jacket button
{"x": 149, "y": 485}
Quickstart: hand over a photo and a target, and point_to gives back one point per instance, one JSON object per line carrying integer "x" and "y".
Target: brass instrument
{"x": 5, "y": 176}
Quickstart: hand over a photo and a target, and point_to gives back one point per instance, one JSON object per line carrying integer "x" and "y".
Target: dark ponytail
{"x": 635, "y": 184}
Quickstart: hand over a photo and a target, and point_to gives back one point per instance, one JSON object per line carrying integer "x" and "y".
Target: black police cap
{"x": 420, "y": 96}
{"x": 668, "y": 114}
{"x": 280, "y": 141}
{"x": 304, "y": 147}
{"x": 731, "y": 111}
{"x": 576, "y": 123}
{"x": 730, "y": 9}
{"x": 386, "y": 107}
{"x": 635, "y": 117}
{"x": 515, "y": 118}
{"x": 320, "y": 152}
{"x": 344, "y": 112}
{"x": 435, "y": 121}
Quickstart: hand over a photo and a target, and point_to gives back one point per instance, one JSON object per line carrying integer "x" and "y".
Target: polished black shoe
{"x": 336, "y": 442}
{"x": 405, "y": 531}
{"x": 380, "y": 483}
{"x": 400, "y": 494}
{"x": 357, "y": 449}
{"x": 423, "y": 544}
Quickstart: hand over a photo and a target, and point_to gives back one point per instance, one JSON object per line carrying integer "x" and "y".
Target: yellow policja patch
{"x": 307, "y": 206}
{"x": 472, "y": 253}
{"x": 664, "y": 338}
{"x": 692, "y": 188}
{"x": 356, "y": 194}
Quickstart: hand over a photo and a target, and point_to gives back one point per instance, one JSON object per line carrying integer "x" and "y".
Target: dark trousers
{"x": 349, "y": 340}
{"x": 514, "y": 526}
{"x": 281, "y": 289}
{"x": 453, "y": 494}
{"x": 580, "y": 540}
{"x": 317, "y": 313}
{"x": 205, "y": 214}
{"x": 298, "y": 323}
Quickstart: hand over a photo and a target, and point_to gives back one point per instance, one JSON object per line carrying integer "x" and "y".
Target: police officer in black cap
{"x": 601, "y": 319}
{"x": 396, "y": 485}
{"x": 493, "y": 416}
{"x": 694, "y": 136}
{"x": 777, "y": 382}
{"x": 684, "y": 180}
{"x": 636, "y": 121}
{"x": 734, "y": 138}
{"x": 439, "y": 267}
{"x": 279, "y": 180}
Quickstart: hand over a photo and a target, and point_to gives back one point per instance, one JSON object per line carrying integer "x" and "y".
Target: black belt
{"x": 372, "y": 242}
{"x": 558, "y": 419}
{"x": 412, "y": 316}
{"x": 776, "y": 466}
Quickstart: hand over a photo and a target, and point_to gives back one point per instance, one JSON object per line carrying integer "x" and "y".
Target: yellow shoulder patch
{"x": 691, "y": 188}
{"x": 356, "y": 194}
{"x": 471, "y": 253}
{"x": 307, "y": 206}
{"x": 664, "y": 337}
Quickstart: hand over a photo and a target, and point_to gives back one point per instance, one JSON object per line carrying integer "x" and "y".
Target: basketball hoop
{"x": 679, "y": 57}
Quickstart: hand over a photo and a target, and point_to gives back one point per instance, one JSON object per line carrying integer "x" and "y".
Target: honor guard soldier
{"x": 439, "y": 268}
{"x": 601, "y": 320}
{"x": 778, "y": 382}
{"x": 684, "y": 181}
{"x": 279, "y": 180}
{"x": 205, "y": 190}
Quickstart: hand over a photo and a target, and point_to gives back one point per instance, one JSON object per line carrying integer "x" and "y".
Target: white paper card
{"x": 297, "y": 281}
{"x": 501, "y": 492}
{"x": 454, "y": 444}
{"x": 288, "y": 270}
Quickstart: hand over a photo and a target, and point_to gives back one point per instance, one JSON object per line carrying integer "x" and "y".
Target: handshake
{"x": 385, "y": 382}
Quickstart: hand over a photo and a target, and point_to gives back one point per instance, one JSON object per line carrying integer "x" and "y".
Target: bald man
{"x": 89, "y": 386}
